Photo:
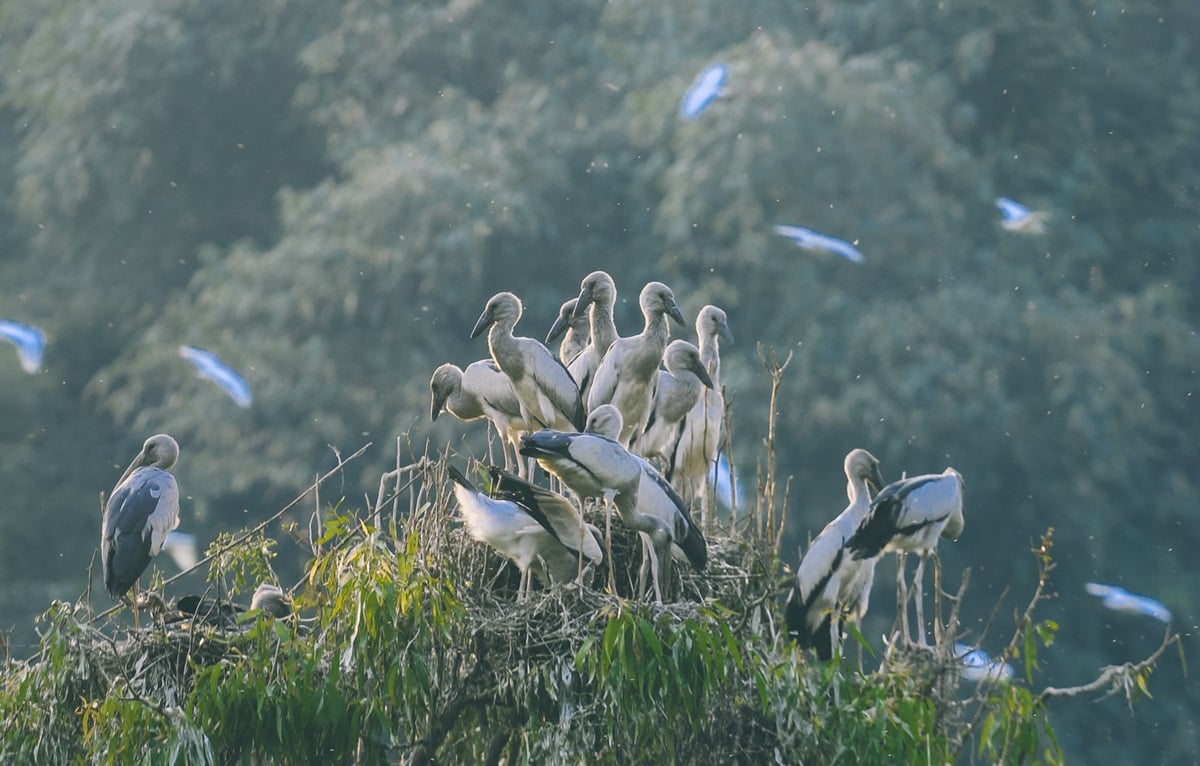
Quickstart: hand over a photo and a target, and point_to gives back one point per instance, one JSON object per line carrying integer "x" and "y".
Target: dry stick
{"x": 775, "y": 370}
{"x": 1113, "y": 677}
{"x": 258, "y": 528}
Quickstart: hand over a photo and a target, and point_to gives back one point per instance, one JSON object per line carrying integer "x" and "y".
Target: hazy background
{"x": 326, "y": 196}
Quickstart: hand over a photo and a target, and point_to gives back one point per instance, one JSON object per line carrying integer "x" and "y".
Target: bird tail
{"x": 460, "y": 478}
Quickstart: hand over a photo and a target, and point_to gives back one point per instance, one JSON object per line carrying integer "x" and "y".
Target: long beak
{"x": 559, "y": 327}
{"x": 137, "y": 463}
{"x": 724, "y": 331}
{"x": 697, "y": 367}
{"x": 875, "y": 481}
{"x": 485, "y": 320}
{"x": 436, "y": 406}
{"x": 582, "y": 302}
{"x": 675, "y": 313}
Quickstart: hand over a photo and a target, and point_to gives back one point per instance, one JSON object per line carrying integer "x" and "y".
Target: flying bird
{"x": 1017, "y": 217}
{"x": 143, "y": 508}
{"x": 182, "y": 548}
{"x": 976, "y": 665}
{"x": 811, "y": 240}
{"x": 210, "y": 367}
{"x": 29, "y": 340}
{"x": 704, "y": 90}
{"x": 1120, "y": 600}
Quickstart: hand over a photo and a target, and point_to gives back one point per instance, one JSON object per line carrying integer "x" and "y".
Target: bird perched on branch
{"x": 481, "y": 390}
{"x": 143, "y": 508}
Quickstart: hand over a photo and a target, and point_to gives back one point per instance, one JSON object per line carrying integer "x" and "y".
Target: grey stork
{"x": 481, "y": 390}
{"x": 575, "y": 329}
{"x": 830, "y": 585}
{"x": 547, "y": 392}
{"x": 628, "y": 373}
{"x": 540, "y": 531}
{"x": 679, "y": 388}
{"x": 597, "y": 296}
{"x": 910, "y": 516}
{"x": 143, "y": 508}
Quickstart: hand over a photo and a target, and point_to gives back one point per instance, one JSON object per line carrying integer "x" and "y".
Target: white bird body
{"x": 677, "y": 393}
{"x": 30, "y": 342}
{"x": 1120, "y": 600}
{"x": 143, "y": 508}
{"x": 976, "y": 665}
{"x": 270, "y": 599}
{"x": 597, "y": 296}
{"x": 548, "y": 395}
{"x": 1018, "y": 218}
{"x": 694, "y": 453}
{"x": 629, "y": 371}
{"x": 210, "y": 367}
{"x": 703, "y": 91}
{"x": 182, "y": 548}
{"x": 575, "y": 329}
{"x": 828, "y": 580}
{"x": 535, "y": 528}
{"x": 482, "y": 390}
{"x": 814, "y": 241}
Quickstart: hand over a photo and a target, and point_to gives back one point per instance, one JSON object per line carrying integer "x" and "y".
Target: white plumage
{"x": 482, "y": 390}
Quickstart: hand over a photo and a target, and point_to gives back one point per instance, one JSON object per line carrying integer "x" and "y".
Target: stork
{"x": 540, "y": 531}
{"x": 597, "y": 296}
{"x": 628, "y": 373}
{"x": 679, "y": 388}
{"x": 909, "y": 516}
{"x": 481, "y": 390}
{"x": 548, "y": 395}
{"x": 830, "y": 585}
{"x": 143, "y": 508}
{"x": 575, "y": 329}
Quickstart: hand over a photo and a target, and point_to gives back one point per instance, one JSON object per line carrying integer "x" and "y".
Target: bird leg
{"x": 612, "y": 573}
{"x": 902, "y": 597}
{"x": 937, "y": 599}
{"x": 918, "y": 577}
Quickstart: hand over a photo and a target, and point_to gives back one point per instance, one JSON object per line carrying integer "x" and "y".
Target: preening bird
{"x": 679, "y": 388}
{"x": 210, "y": 367}
{"x": 593, "y": 464}
{"x": 547, "y": 392}
{"x": 597, "y": 296}
{"x": 575, "y": 329}
{"x": 540, "y": 531}
{"x": 30, "y": 342}
{"x": 831, "y": 585}
{"x": 628, "y": 373}
{"x": 143, "y": 508}
{"x": 693, "y": 455}
{"x": 909, "y": 516}
{"x": 1120, "y": 600}
{"x": 481, "y": 390}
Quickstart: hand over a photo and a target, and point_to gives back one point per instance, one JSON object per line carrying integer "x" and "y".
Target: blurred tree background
{"x": 326, "y": 194}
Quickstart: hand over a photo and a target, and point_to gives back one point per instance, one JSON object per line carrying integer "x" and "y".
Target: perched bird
{"x": 909, "y": 516}
{"x": 597, "y": 296}
{"x": 29, "y": 340}
{"x": 628, "y": 373}
{"x": 1120, "y": 600}
{"x": 830, "y": 584}
{"x": 271, "y": 599}
{"x": 575, "y": 329}
{"x": 143, "y": 508}
{"x": 594, "y": 465}
{"x": 482, "y": 390}
{"x": 811, "y": 240}
{"x": 976, "y": 665}
{"x": 548, "y": 395}
{"x": 677, "y": 392}
{"x": 210, "y": 611}
{"x": 1016, "y": 217}
{"x": 693, "y": 455}
{"x": 706, "y": 88}
{"x": 540, "y": 531}
{"x": 210, "y": 367}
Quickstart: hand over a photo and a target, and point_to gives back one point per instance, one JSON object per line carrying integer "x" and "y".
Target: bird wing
{"x": 551, "y": 510}
{"x": 703, "y": 91}
{"x": 684, "y": 531}
{"x": 137, "y": 518}
{"x": 555, "y": 382}
{"x": 888, "y": 518}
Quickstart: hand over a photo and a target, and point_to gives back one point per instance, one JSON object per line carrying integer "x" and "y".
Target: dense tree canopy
{"x": 326, "y": 195}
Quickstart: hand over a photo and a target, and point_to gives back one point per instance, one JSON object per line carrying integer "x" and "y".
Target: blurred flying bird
{"x": 143, "y": 508}
{"x": 811, "y": 240}
{"x": 703, "y": 91}
{"x": 1016, "y": 217}
{"x": 728, "y": 489}
{"x": 181, "y": 546}
{"x": 30, "y": 342}
{"x": 976, "y": 665}
{"x": 210, "y": 367}
{"x": 1120, "y": 600}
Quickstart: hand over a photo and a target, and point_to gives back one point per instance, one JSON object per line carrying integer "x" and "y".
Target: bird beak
{"x": 139, "y": 461}
{"x": 559, "y": 327}
{"x": 582, "y": 302}
{"x": 724, "y": 331}
{"x": 697, "y": 367}
{"x": 485, "y": 320}
{"x": 875, "y": 481}
{"x": 675, "y": 313}
{"x": 436, "y": 406}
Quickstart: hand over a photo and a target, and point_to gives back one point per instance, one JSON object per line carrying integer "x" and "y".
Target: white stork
{"x": 143, "y": 508}
{"x": 628, "y": 373}
{"x": 482, "y": 390}
{"x": 830, "y": 585}
{"x": 909, "y": 516}
{"x": 597, "y": 296}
